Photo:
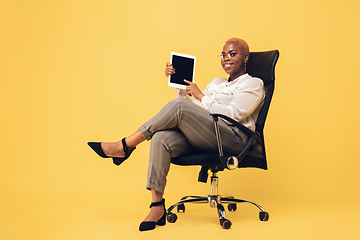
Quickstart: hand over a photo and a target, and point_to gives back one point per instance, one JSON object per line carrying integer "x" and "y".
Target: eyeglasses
{"x": 229, "y": 55}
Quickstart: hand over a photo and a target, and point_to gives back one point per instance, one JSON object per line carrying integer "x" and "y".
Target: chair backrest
{"x": 261, "y": 65}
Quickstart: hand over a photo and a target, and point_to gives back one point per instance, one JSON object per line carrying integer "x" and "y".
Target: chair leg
{"x": 263, "y": 215}
{"x": 197, "y": 199}
{"x": 194, "y": 197}
{"x": 225, "y": 223}
{"x": 235, "y": 200}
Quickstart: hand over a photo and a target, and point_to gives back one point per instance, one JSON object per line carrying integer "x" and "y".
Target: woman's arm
{"x": 193, "y": 90}
{"x": 247, "y": 98}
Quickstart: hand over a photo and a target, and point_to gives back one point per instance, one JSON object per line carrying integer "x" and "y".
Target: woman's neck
{"x": 231, "y": 78}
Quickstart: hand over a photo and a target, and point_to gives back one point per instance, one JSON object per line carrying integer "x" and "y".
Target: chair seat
{"x": 212, "y": 159}
{"x": 197, "y": 159}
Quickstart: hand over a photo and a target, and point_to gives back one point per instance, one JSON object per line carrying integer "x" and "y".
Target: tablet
{"x": 184, "y": 69}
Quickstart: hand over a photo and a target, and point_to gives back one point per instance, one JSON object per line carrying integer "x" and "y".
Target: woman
{"x": 184, "y": 124}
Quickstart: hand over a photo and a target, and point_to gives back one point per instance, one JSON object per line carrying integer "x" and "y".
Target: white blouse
{"x": 239, "y": 99}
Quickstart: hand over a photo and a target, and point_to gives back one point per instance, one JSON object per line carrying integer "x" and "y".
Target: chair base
{"x": 214, "y": 200}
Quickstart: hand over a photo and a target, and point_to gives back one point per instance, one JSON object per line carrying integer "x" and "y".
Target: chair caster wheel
{"x": 264, "y": 216}
{"x": 181, "y": 207}
{"x": 171, "y": 217}
{"x": 225, "y": 223}
{"x": 232, "y": 207}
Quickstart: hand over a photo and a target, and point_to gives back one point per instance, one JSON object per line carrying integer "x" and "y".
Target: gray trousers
{"x": 181, "y": 127}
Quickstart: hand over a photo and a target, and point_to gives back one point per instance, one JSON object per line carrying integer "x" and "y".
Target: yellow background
{"x": 74, "y": 71}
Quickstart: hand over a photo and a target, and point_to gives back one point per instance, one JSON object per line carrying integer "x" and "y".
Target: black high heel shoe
{"x": 96, "y": 146}
{"x": 150, "y": 225}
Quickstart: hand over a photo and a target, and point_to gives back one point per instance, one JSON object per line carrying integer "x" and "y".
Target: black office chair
{"x": 262, "y": 65}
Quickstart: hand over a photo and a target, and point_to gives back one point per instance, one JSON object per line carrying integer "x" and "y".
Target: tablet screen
{"x": 184, "y": 69}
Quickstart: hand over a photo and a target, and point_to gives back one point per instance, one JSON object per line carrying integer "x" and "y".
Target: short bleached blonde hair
{"x": 244, "y": 47}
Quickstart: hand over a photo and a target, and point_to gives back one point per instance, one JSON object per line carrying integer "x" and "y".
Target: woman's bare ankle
{"x": 155, "y": 214}
{"x": 134, "y": 139}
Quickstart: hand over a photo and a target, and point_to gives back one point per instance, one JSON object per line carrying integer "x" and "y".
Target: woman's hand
{"x": 169, "y": 70}
{"x": 193, "y": 90}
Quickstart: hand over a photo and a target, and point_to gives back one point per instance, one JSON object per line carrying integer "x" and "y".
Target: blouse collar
{"x": 238, "y": 78}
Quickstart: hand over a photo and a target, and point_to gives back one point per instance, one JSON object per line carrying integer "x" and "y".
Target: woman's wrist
{"x": 200, "y": 97}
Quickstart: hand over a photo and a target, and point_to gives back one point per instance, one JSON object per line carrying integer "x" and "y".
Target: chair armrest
{"x": 244, "y": 129}
{"x": 250, "y": 134}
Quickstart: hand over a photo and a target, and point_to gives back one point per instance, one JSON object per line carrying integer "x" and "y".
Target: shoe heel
{"x": 162, "y": 220}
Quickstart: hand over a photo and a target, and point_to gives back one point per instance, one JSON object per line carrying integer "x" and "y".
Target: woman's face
{"x": 233, "y": 60}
